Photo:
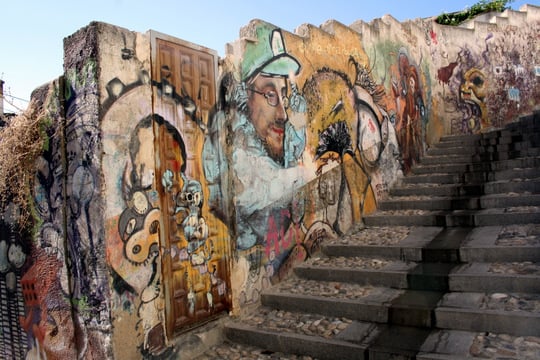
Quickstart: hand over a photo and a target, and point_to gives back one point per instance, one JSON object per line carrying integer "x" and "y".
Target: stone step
{"x": 437, "y": 345}
{"x": 532, "y": 162}
{"x": 516, "y": 138}
{"x": 509, "y": 174}
{"x": 466, "y": 203}
{"x": 447, "y": 268}
{"x": 491, "y": 149}
{"x": 434, "y": 189}
{"x": 468, "y": 218}
{"x": 504, "y": 155}
{"x": 378, "y": 272}
{"x": 466, "y": 140}
{"x": 335, "y": 299}
{"x": 358, "y": 341}
{"x": 457, "y": 345}
{"x": 398, "y": 243}
{"x": 360, "y": 303}
{"x": 444, "y": 178}
{"x": 358, "y": 270}
{"x": 496, "y": 277}
{"x": 477, "y": 155}
{"x": 476, "y": 176}
{"x": 446, "y": 149}
{"x": 299, "y": 335}
{"x": 447, "y": 159}
{"x": 442, "y": 168}
{"x": 515, "y": 313}
{"x": 508, "y": 313}
{"x": 512, "y": 243}
{"x": 499, "y": 243}
{"x": 520, "y": 185}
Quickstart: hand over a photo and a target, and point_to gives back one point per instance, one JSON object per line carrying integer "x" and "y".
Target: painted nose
{"x": 281, "y": 113}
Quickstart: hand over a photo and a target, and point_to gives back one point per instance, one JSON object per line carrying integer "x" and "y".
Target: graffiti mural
{"x": 487, "y": 85}
{"x": 164, "y": 199}
{"x": 269, "y": 227}
{"x": 14, "y": 251}
{"x": 168, "y": 253}
{"x": 316, "y": 138}
{"x": 88, "y": 281}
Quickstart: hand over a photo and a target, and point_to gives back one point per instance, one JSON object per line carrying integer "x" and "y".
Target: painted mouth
{"x": 279, "y": 130}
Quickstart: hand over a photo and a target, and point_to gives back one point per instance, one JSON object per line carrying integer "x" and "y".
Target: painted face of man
{"x": 266, "y": 110}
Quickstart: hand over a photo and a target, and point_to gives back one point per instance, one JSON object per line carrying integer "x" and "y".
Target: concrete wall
{"x": 308, "y": 132}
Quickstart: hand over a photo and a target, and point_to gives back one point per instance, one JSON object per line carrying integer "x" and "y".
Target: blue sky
{"x": 33, "y": 30}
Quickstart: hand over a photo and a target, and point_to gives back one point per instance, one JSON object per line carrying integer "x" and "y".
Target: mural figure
{"x": 349, "y": 132}
{"x": 473, "y": 92}
{"x": 264, "y": 138}
{"x": 411, "y": 123}
{"x": 139, "y": 227}
{"x": 264, "y": 113}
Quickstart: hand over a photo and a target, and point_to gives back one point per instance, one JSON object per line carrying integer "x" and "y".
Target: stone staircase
{"x": 447, "y": 268}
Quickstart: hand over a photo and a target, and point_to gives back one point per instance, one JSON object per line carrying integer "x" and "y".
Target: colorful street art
{"x": 316, "y": 136}
{"x": 489, "y": 83}
{"x": 167, "y": 196}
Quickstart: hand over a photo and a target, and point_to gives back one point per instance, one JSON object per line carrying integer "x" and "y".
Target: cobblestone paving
{"x": 512, "y": 302}
{"x": 355, "y": 262}
{"x": 299, "y": 323}
{"x": 519, "y": 235}
{"x": 515, "y": 268}
{"x": 384, "y": 235}
{"x": 501, "y": 346}
{"x": 485, "y": 345}
{"x": 232, "y": 351}
{"x": 333, "y": 289}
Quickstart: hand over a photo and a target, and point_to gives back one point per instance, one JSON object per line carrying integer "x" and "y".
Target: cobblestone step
{"x": 318, "y": 336}
{"x": 447, "y": 268}
{"x": 512, "y": 243}
{"x": 456, "y": 345}
{"x": 502, "y": 276}
{"x": 333, "y": 298}
{"x": 296, "y": 333}
{"x": 457, "y": 190}
{"x": 434, "y": 189}
{"x": 532, "y": 162}
{"x": 508, "y": 313}
{"x": 447, "y": 149}
{"x": 447, "y": 159}
{"x": 394, "y": 242}
{"x": 438, "y": 345}
{"x": 484, "y": 217}
{"x": 459, "y": 140}
{"x": 468, "y": 177}
{"x": 433, "y": 203}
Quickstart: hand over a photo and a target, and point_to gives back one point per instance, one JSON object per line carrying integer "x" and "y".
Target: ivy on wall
{"x": 483, "y": 6}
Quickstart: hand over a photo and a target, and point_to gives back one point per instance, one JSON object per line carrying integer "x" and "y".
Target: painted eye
{"x": 130, "y": 226}
{"x": 154, "y": 227}
{"x": 478, "y": 81}
{"x": 136, "y": 249}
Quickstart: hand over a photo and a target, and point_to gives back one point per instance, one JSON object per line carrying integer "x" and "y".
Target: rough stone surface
{"x": 389, "y": 235}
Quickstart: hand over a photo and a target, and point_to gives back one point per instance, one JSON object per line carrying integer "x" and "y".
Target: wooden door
{"x": 196, "y": 255}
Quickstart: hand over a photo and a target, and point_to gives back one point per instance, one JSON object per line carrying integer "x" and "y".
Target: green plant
{"x": 483, "y": 6}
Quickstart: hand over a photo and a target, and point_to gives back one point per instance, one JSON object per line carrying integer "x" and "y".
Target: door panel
{"x": 196, "y": 244}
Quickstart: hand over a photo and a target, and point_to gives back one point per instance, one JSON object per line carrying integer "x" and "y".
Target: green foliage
{"x": 483, "y": 6}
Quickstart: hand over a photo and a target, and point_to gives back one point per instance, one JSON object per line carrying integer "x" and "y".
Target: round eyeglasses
{"x": 272, "y": 98}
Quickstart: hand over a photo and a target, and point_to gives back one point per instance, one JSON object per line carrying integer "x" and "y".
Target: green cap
{"x": 268, "y": 55}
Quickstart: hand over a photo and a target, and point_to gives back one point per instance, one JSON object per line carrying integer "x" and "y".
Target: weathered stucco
{"x": 158, "y": 208}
